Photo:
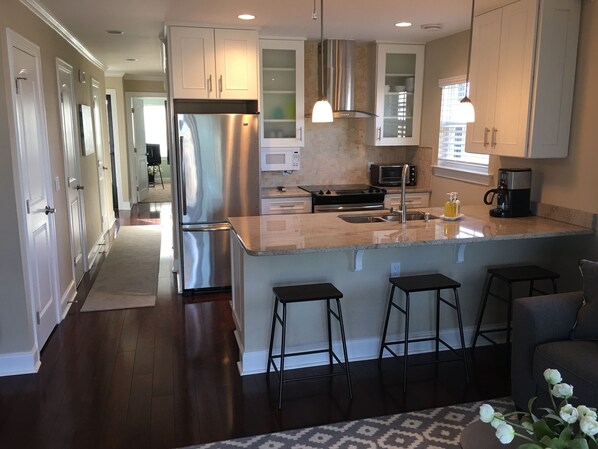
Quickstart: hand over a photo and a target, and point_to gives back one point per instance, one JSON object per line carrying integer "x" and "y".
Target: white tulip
{"x": 589, "y": 426}
{"x": 562, "y": 391}
{"x": 497, "y": 420}
{"x": 505, "y": 433}
{"x": 584, "y": 411}
{"x": 552, "y": 376}
{"x": 486, "y": 413}
{"x": 568, "y": 413}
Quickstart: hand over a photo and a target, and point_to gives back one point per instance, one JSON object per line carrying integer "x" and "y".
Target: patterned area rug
{"x": 157, "y": 194}
{"x": 438, "y": 428}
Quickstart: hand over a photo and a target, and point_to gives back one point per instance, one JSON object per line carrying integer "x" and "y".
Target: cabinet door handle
{"x": 220, "y": 84}
{"x": 379, "y": 130}
{"x": 301, "y": 134}
{"x": 494, "y": 133}
{"x": 486, "y": 131}
{"x": 209, "y": 85}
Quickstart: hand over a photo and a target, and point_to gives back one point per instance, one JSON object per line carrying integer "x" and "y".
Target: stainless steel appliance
{"x": 390, "y": 174}
{"x": 348, "y": 197}
{"x": 512, "y": 194}
{"x": 218, "y": 177}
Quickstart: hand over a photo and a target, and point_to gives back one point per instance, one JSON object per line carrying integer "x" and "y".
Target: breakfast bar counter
{"x": 358, "y": 257}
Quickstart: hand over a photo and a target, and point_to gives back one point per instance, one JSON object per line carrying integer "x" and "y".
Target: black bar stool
{"x": 510, "y": 274}
{"x": 303, "y": 293}
{"x": 422, "y": 283}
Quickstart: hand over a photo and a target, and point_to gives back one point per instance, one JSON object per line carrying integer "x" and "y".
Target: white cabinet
{"x": 282, "y": 93}
{"x": 277, "y": 206}
{"x": 208, "y": 63}
{"x": 522, "y": 77}
{"x": 412, "y": 200}
{"x": 396, "y": 95}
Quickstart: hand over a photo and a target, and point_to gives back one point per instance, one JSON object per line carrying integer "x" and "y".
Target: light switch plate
{"x": 57, "y": 184}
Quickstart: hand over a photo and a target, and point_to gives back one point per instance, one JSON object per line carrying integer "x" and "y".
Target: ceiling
{"x": 142, "y": 22}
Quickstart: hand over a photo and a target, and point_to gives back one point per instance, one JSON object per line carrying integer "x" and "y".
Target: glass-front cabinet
{"x": 282, "y": 106}
{"x": 396, "y": 96}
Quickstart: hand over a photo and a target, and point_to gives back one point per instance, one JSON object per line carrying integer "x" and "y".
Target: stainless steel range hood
{"x": 339, "y": 73}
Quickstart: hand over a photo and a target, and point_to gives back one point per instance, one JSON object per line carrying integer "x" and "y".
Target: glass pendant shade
{"x": 322, "y": 112}
{"x": 465, "y": 111}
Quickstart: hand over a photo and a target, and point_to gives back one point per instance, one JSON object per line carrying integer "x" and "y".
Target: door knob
{"x": 80, "y": 187}
{"x": 104, "y": 168}
{"x": 49, "y": 210}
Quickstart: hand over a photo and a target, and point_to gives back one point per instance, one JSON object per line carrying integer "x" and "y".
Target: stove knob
{"x": 321, "y": 192}
{"x": 328, "y": 192}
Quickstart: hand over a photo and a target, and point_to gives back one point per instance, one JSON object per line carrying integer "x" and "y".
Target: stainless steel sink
{"x": 361, "y": 219}
{"x": 411, "y": 216}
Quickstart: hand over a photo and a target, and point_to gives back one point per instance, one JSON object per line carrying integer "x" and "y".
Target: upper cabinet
{"x": 396, "y": 95}
{"x": 282, "y": 99}
{"x": 522, "y": 77}
{"x": 208, "y": 63}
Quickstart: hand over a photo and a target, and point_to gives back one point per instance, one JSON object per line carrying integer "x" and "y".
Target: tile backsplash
{"x": 336, "y": 153}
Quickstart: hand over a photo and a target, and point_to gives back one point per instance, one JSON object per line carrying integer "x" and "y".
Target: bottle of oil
{"x": 449, "y": 206}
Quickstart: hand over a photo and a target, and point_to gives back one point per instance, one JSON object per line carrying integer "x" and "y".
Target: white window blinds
{"x": 451, "y": 141}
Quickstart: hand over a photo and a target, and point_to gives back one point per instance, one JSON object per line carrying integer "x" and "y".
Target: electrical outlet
{"x": 395, "y": 269}
{"x": 370, "y": 166}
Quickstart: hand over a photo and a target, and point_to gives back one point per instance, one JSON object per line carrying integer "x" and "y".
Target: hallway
{"x": 166, "y": 376}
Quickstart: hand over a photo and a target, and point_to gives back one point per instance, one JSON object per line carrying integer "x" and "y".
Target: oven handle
{"x": 347, "y": 207}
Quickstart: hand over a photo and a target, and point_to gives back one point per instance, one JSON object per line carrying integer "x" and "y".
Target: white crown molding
{"x": 53, "y": 23}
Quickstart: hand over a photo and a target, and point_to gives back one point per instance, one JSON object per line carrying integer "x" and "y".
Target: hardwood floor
{"x": 166, "y": 377}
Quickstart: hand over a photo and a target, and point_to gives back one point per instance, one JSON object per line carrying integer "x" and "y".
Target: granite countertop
{"x": 326, "y": 232}
{"x": 291, "y": 192}
{"x": 394, "y": 190}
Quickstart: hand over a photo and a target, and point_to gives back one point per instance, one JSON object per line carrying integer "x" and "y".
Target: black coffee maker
{"x": 512, "y": 194}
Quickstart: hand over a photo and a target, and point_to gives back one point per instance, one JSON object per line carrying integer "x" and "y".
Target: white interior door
{"x": 99, "y": 145}
{"x": 35, "y": 185}
{"x": 139, "y": 151}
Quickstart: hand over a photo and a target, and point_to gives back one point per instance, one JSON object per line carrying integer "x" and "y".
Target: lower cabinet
{"x": 277, "y": 206}
{"x": 412, "y": 200}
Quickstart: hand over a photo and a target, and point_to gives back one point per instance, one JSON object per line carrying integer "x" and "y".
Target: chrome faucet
{"x": 403, "y": 183}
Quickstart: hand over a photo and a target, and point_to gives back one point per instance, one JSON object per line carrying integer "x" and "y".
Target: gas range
{"x": 345, "y": 197}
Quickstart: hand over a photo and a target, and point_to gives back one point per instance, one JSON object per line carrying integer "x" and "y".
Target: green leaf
{"x": 578, "y": 443}
{"x": 566, "y": 434}
{"x": 541, "y": 430}
{"x": 530, "y": 446}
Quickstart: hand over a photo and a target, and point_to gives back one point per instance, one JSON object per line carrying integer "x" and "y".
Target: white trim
{"x": 255, "y": 362}
{"x": 459, "y": 174}
{"x": 95, "y": 250}
{"x": 17, "y": 363}
{"x": 41, "y": 12}
{"x": 67, "y": 299}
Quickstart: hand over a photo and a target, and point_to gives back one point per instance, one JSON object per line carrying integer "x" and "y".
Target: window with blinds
{"x": 451, "y": 141}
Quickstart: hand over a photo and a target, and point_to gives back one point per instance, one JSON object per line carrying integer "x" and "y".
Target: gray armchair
{"x": 541, "y": 326}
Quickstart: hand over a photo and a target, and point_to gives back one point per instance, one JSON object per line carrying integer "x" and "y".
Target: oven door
{"x": 348, "y": 207}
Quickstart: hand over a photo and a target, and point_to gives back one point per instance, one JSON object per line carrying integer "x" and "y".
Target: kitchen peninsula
{"x": 304, "y": 248}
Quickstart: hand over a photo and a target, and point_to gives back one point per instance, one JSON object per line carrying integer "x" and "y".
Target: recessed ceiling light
{"x": 432, "y": 26}
{"x": 403, "y": 24}
{"x": 131, "y": 59}
{"x": 246, "y": 16}
{"x": 115, "y": 32}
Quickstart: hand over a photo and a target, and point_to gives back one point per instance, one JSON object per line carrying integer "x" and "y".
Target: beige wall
{"x": 133, "y": 85}
{"x": 15, "y": 320}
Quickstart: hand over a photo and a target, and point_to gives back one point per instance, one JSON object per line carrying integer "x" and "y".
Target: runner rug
{"x": 438, "y": 428}
{"x": 128, "y": 277}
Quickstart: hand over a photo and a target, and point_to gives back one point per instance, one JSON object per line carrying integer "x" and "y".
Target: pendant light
{"x": 465, "y": 110}
{"x": 322, "y": 112}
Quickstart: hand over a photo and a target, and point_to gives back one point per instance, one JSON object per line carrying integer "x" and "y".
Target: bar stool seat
{"x": 422, "y": 283}
{"x": 510, "y": 274}
{"x": 304, "y": 293}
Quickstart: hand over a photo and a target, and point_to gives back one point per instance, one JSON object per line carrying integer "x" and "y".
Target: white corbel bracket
{"x": 357, "y": 260}
{"x": 460, "y": 253}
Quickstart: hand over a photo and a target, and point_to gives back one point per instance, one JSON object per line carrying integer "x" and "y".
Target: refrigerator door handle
{"x": 208, "y": 227}
{"x": 183, "y": 181}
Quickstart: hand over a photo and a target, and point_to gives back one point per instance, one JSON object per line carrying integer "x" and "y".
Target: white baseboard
{"x": 17, "y": 363}
{"x": 67, "y": 299}
{"x": 95, "y": 249}
{"x": 362, "y": 349}
{"x": 124, "y": 205}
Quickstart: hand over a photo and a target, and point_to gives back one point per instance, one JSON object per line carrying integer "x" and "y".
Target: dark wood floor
{"x": 166, "y": 377}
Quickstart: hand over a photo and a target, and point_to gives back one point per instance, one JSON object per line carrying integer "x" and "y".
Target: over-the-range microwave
{"x": 280, "y": 159}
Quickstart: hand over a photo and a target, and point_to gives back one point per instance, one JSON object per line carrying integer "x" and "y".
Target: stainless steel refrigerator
{"x": 218, "y": 177}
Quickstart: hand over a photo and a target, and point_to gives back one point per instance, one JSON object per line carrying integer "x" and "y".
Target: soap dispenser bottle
{"x": 457, "y": 205}
{"x": 449, "y": 206}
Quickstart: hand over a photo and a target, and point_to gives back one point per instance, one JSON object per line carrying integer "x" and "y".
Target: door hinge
{"x": 138, "y": 188}
{"x": 28, "y": 207}
{"x": 133, "y": 110}
{"x": 39, "y": 320}
{"x": 61, "y": 97}
{"x": 134, "y": 150}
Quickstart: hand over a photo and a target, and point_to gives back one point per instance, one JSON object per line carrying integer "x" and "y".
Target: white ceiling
{"x": 142, "y": 22}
